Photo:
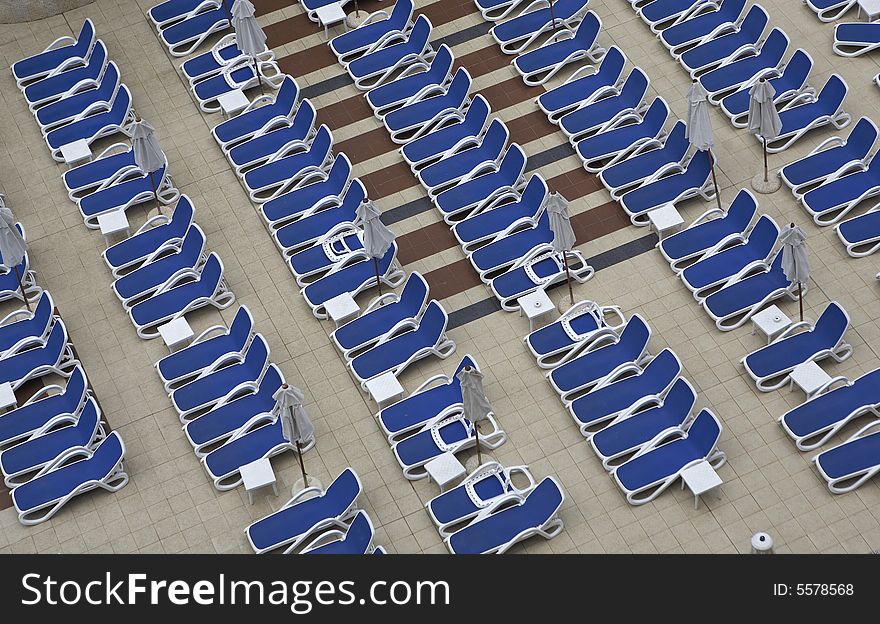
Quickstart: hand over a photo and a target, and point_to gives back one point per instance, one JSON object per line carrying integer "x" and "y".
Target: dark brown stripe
{"x": 425, "y": 242}
{"x": 268, "y": 6}
{"x": 389, "y": 180}
{"x": 452, "y": 279}
{"x": 363, "y": 147}
{"x": 575, "y": 184}
{"x": 485, "y": 61}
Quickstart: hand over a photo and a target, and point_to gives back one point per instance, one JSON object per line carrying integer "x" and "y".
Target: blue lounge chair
{"x": 24, "y": 289}
{"x": 540, "y": 268}
{"x": 499, "y": 530}
{"x": 312, "y": 263}
{"x": 395, "y": 351}
{"x": 23, "y": 328}
{"x": 582, "y": 88}
{"x": 626, "y": 437}
{"x": 433, "y": 400}
{"x": 651, "y": 159}
{"x": 307, "y": 199}
{"x": 518, "y": 33}
{"x": 57, "y": 483}
{"x": 836, "y": 196}
{"x": 505, "y": 250}
{"x": 509, "y": 210}
{"x": 661, "y": 14}
{"x": 242, "y": 412}
{"x": 711, "y": 53}
{"x": 384, "y": 316}
{"x": 497, "y": 10}
{"x": 412, "y": 82}
{"x": 57, "y": 86}
{"x": 707, "y": 235}
{"x": 93, "y": 127}
{"x": 703, "y": 25}
{"x": 238, "y": 75}
{"x": 260, "y": 441}
{"x": 53, "y": 356}
{"x": 830, "y": 10}
{"x": 601, "y": 114}
{"x": 215, "y": 345}
{"x": 183, "y": 37}
{"x": 260, "y": 149}
{"x": 221, "y": 380}
{"x": 170, "y": 11}
{"x": 452, "y": 434}
{"x": 647, "y": 475}
{"x": 627, "y": 394}
{"x": 290, "y": 171}
{"x": 486, "y": 488}
{"x": 717, "y": 268}
{"x": 257, "y": 118}
{"x": 72, "y": 108}
{"x": 483, "y": 186}
{"x": 449, "y": 136}
{"x": 20, "y": 462}
{"x": 374, "y": 69}
{"x": 109, "y": 165}
{"x": 434, "y": 106}
{"x": 814, "y": 422}
{"x": 693, "y": 181}
{"x": 45, "y": 411}
{"x": 855, "y": 39}
{"x": 157, "y": 235}
{"x": 806, "y": 112}
{"x": 735, "y": 73}
{"x": 626, "y": 134}
{"x": 771, "y": 366}
{"x": 609, "y": 357}
{"x": 352, "y": 276}
{"x": 177, "y": 298}
{"x": 310, "y": 511}
{"x": 374, "y": 33}
{"x": 221, "y": 55}
{"x": 454, "y": 167}
{"x": 832, "y": 158}
{"x": 308, "y": 229}
{"x": 354, "y": 539}
{"x": 63, "y": 53}
{"x": 578, "y": 328}
{"x": 790, "y": 84}
{"x": 129, "y": 190}
{"x": 861, "y": 234}
{"x": 852, "y": 464}
{"x": 563, "y": 48}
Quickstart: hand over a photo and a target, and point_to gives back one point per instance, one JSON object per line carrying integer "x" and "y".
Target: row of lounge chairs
{"x": 183, "y": 25}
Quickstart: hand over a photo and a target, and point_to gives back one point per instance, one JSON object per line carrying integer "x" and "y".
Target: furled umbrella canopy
{"x": 764, "y": 122}
{"x": 148, "y": 155}
{"x": 12, "y": 246}
{"x": 698, "y": 128}
{"x": 476, "y": 406}
{"x": 249, "y": 37}
{"x": 794, "y": 259}
{"x": 377, "y": 237}
{"x": 296, "y": 427}
{"x": 564, "y": 238}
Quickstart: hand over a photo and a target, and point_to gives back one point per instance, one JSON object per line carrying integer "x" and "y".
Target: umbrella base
{"x": 301, "y": 484}
{"x": 356, "y": 18}
{"x": 770, "y": 186}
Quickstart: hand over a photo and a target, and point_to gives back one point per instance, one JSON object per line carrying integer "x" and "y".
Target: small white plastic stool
{"x": 762, "y": 544}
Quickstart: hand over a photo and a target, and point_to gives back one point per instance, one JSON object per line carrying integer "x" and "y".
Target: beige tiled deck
{"x": 170, "y": 505}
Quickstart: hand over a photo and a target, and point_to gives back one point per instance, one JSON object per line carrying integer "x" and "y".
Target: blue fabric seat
{"x": 540, "y": 268}
{"x": 667, "y": 156}
{"x": 740, "y": 298}
{"x": 259, "y": 149}
{"x": 505, "y": 250}
{"x": 224, "y": 463}
{"x": 53, "y": 57}
{"x": 518, "y": 33}
{"x": 374, "y": 69}
{"x": 832, "y": 200}
{"x": 171, "y": 11}
{"x": 579, "y": 89}
{"x": 855, "y": 39}
{"x": 117, "y": 160}
{"x": 430, "y": 147}
{"x": 732, "y": 75}
{"x": 830, "y": 10}
{"x": 542, "y": 64}
{"x": 53, "y": 356}
{"x": 391, "y": 95}
{"x": 861, "y": 234}
{"x": 22, "y": 328}
{"x": 693, "y": 181}
{"x": 374, "y": 33}
{"x": 74, "y": 107}
{"x": 260, "y": 119}
{"x": 275, "y": 177}
{"x": 853, "y": 463}
{"x": 311, "y": 263}
{"x": 595, "y": 116}
{"x": 308, "y": 198}
{"x": 807, "y": 112}
{"x": 319, "y": 222}
{"x": 412, "y": 119}
{"x": 136, "y": 188}
{"x": 712, "y": 53}
{"x": 440, "y": 175}
{"x": 605, "y": 148}
{"x": 696, "y": 28}
{"x": 54, "y": 87}
{"x": 93, "y": 127}
{"x": 184, "y": 36}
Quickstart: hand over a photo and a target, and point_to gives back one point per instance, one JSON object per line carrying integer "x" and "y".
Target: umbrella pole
{"x": 715, "y": 181}
{"x": 477, "y": 438}
{"x": 765, "y": 161}
{"x": 553, "y": 16}
{"x": 568, "y": 276}
{"x": 259, "y": 77}
{"x": 21, "y": 286}
{"x": 378, "y": 281}
{"x": 801, "y": 301}
{"x": 155, "y": 194}
{"x": 228, "y": 14}
{"x": 302, "y": 465}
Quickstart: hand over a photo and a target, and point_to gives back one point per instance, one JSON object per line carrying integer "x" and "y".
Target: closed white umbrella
{"x": 377, "y": 237}
{"x": 249, "y": 37}
{"x": 476, "y": 406}
{"x": 794, "y": 259}
{"x": 148, "y": 155}
{"x": 296, "y": 427}
{"x": 765, "y": 123}
{"x": 12, "y": 246}
{"x": 699, "y": 129}
{"x": 563, "y": 234}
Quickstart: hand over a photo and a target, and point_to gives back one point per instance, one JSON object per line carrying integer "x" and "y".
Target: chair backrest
{"x": 832, "y": 94}
{"x": 467, "y": 361}
{"x": 212, "y": 273}
{"x": 106, "y": 455}
{"x": 44, "y": 310}
{"x": 755, "y": 22}
{"x": 441, "y": 64}
{"x": 656, "y": 115}
{"x": 676, "y": 142}
{"x": 258, "y": 353}
{"x": 564, "y": 9}
{"x": 182, "y": 217}
{"x": 401, "y": 14}
{"x": 304, "y": 119}
{"x": 681, "y": 397}
{"x": 588, "y": 29}
{"x": 345, "y": 487}
{"x": 698, "y": 168}
{"x": 765, "y": 233}
{"x": 109, "y": 83}
{"x": 287, "y": 95}
{"x": 433, "y": 322}
{"x": 354, "y": 196}
{"x": 514, "y": 162}
{"x": 340, "y": 172}
{"x": 635, "y": 334}
{"x": 613, "y": 62}
{"x": 862, "y": 137}
{"x": 88, "y": 419}
{"x": 775, "y": 46}
{"x": 193, "y": 245}
{"x": 496, "y": 136}
{"x": 832, "y": 324}
{"x": 415, "y": 292}
{"x": 271, "y": 381}
{"x": 97, "y": 61}
{"x": 120, "y": 108}
{"x": 242, "y": 326}
{"x": 460, "y": 87}
{"x": 742, "y": 210}
{"x": 477, "y": 114}
{"x": 663, "y": 369}
{"x": 535, "y": 192}
{"x": 420, "y": 33}
{"x": 796, "y": 71}
{"x": 54, "y": 345}
{"x": 75, "y": 390}
{"x": 635, "y": 87}
{"x": 84, "y": 39}
{"x": 731, "y": 10}
{"x": 704, "y": 433}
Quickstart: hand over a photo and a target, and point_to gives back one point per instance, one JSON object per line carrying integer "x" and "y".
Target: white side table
{"x": 871, "y": 9}
{"x": 665, "y": 220}
{"x": 7, "y": 397}
{"x": 258, "y": 474}
{"x": 76, "y": 153}
{"x": 535, "y": 305}
{"x": 112, "y": 223}
{"x": 175, "y": 333}
{"x": 233, "y": 102}
{"x": 445, "y": 470}
{"x": 700, "y": 478}
{"x": 809, "y": 377}
{"x": 770, "y": 322}
{"x": 385, "y": 389}
{"x": 331, "y": 14}
{"x": 342, "y": 308}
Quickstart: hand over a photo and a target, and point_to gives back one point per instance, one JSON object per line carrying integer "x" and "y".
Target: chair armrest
{"x": 791, "y": 329}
